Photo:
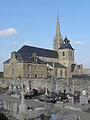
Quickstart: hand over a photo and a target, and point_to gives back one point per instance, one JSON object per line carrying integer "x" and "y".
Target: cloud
{"x": 8, "y": 32}
{"x": 78, "y": 42}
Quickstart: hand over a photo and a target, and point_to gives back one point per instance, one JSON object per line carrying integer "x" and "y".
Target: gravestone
{"x": 83, "y": 98}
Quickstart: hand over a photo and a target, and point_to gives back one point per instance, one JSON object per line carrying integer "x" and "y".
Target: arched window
{"x": 65, "y": 72}
{"x": 29, "y": 75}
{"x": 63, "y": 53}
{"x": 35, "y": 75}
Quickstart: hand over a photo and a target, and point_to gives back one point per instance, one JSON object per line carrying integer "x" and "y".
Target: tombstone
{"x": 76, "y": 96}
{"x": 10, "y": 89}
{"x": 15, "y": 109}
{"x": 46, "y": 95}
{"x": 5, "y": 105}
{"x": 11, "y": 108}
{"x": 56, "y": 90}
{"x": 83, "y": 98}
{"x": 46, "y": 92}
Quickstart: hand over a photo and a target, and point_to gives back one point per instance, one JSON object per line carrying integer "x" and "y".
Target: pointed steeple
{"x": 58, "y": 34}
{"x": 58, "y": 38}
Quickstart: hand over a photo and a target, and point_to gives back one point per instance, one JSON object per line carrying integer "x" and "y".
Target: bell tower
{"x": 57, "y": 41}
{"x": 66, "y": 53}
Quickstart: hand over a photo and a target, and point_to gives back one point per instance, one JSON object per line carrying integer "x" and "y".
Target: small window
{"x": 63, "y": 53}
{"x": 36, "y": 68}
{"x": 65, "y": 72}
{"x": 42, "y": 68}
{"x": 12, "y": 72}
{"x": 12, "y": 66}
{"x": 35, "y": 75}
{"x": 29, "y": 75}
{"x": 42, "y": 76}
{"x": 29, "y": 68}
{"x": 70, "y": 53}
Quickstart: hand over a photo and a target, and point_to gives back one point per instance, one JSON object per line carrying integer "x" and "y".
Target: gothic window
{"x": 35, "y": 75}
{"x": 63, "y": 53}
{"x": 65, "y": 72}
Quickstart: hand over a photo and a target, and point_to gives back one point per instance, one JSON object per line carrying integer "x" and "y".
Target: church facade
{"x": 34, "y": 62}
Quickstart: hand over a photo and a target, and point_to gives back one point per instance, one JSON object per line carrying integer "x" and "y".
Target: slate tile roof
{"x": 27, "y": 51}
{"x": 81, "y": 76}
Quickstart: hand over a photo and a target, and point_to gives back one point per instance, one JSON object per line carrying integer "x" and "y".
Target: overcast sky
{"x": 33, "y": 22}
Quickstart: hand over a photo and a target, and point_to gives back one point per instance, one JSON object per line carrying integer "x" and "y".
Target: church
{"x": 35, "y": 62}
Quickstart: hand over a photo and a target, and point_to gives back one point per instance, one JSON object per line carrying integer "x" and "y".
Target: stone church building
{"x": 34, "y": 62}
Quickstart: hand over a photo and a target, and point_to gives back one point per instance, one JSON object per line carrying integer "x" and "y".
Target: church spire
{"x": 58, "y": 38}
{"x": 58, "y": 34}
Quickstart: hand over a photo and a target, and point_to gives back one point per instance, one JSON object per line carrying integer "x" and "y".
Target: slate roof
{"x": 27, "y": 51}
{"x": 7, "y": 61}
{"x": 81, "y": 76}
{"x": 66, "y": 44}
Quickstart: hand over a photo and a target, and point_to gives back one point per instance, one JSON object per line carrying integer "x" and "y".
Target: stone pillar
{"x": 11, "y": 108}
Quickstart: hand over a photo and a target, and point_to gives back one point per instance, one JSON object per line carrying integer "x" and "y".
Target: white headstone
{"x": 46, "y": 92}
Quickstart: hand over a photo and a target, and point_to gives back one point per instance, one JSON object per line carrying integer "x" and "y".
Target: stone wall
{"x": 57, "y": 85}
